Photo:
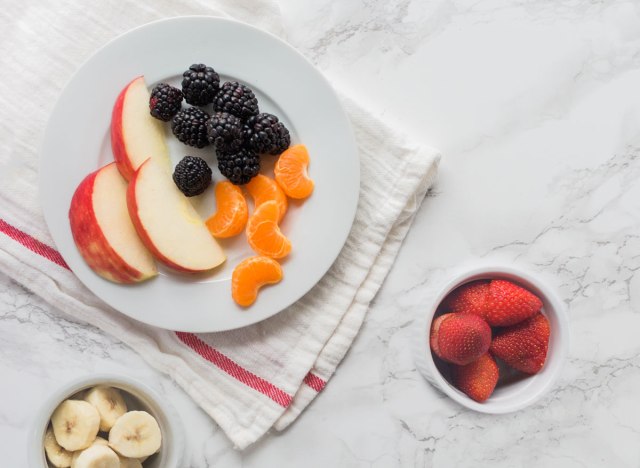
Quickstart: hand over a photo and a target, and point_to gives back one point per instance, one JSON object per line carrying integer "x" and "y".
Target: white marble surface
{"x": 536, "y": 106}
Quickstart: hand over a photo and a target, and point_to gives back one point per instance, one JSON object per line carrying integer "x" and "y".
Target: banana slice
{"x": 135, "y": 434}
{"x": 96, "y": 456}
{"x": 98, "y": 441}
{"x": 59, "y": 457}
{"x": 129, "y": 462}
{"x": 75, "y": 424}
{"x": 109, "y": 403}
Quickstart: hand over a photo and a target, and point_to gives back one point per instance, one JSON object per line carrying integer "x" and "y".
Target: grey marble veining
{"x": 536, "y": 107}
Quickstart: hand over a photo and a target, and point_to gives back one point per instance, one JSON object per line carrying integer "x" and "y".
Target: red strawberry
{"x": 460, "y": 338}
{"x": 523, "y": 346}
{"x": 469, "y": 298}
{"x": 478, "y": 379}
{"x": 508, "y": 304}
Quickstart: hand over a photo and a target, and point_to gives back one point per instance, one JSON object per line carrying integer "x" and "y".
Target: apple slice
{"x": 103, "y": 231}
{"x": 135, "y": 135}
{"x": 167, "y": 222}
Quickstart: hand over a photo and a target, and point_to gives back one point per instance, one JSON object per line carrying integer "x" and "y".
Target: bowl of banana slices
{"x": 106, "y": 421}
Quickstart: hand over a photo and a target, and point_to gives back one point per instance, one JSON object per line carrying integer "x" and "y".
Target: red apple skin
{"x": 142, "y": 232}
{"x": 90, "y": 240}
{"x": 117, "y": 138}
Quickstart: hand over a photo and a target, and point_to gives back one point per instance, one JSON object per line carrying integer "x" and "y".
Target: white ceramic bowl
{"x": 517, "y": 390}
{"x": 137, "y": 396}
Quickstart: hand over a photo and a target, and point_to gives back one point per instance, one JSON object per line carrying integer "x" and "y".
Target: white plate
{"x": 286, "y": 84}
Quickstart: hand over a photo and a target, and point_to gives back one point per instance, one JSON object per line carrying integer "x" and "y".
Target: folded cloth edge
{"x": 243, "y": 436}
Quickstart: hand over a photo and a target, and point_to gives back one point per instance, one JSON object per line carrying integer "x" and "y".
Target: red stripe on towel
{"x": 314, "y": 382}
{"x": 207, "y": 352}
{"x": 236, "y": 371}
{"x": 32, "y": 244}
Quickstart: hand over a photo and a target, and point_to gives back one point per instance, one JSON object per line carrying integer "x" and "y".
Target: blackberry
{"x": 225, "y": 132}
{"x": 239, "y": 167}
{"x": 192, "y": 175}
{"x": 190, "y": 127}
{"x": 165, "y": 101}
{"x": 200, "y": 84}
{"x": 236, "y": 99}
{"x": 264, "y": 133}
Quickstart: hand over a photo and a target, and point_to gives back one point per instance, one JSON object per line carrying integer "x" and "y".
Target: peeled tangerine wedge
{"x": 263, "y": 233}
{"x": 58, "y": 457}
{"x": 109, "y": 403}
{"x": 75, "y": 424}
{"x": 291, "y": 172}
{"x": 231, "y": 213}
{"x": 250, "y": 275}
{"x": 263, "y": 189}
{"x": 135, "y": 434}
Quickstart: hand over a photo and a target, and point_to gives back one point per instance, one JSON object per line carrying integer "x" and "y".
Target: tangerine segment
{"x": 232, "y": 212}
{"x": 291, "y": 172}
{"x": 250, "y": 275}
{"x": 263, "y": 188}
{"x": 263, "y": 233}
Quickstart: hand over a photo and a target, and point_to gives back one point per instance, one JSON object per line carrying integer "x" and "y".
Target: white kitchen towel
{"x": 251, "y": 379}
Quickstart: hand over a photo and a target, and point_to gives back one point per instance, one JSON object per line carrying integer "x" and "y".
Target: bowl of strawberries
{"x": 494, "y": 339}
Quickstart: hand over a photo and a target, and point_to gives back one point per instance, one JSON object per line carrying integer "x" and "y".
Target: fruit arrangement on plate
{"x": 73, "y": 436}
{"x": 135, "y": 211}
{"x": 485, "y": 323}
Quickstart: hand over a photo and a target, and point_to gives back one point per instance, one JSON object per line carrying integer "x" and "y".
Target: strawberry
{"x": 477, "y": 379}
{"x": 523, "y": 346}
{"x": 459, "y": 338}
{"x": 508, "y": 304}
{"x": 469, "y": 298}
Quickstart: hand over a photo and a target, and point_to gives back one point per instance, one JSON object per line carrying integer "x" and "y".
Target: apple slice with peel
{"x": 135, "y": 134}
{"x": 103, "y": 231}
{"x": 167, "y": 222}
